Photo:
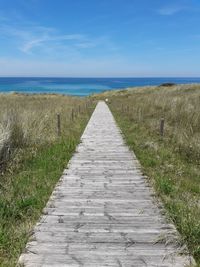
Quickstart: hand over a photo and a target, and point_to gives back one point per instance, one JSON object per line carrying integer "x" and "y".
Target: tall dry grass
{"x": 178, "y": 105}
{"x": 30, "y": 120}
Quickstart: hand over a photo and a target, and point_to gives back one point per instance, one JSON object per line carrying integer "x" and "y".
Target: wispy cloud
{"x": 31, "y": 44}
{"x": 34, "y": 39}
{"x": 170, "y": 10}
{"x": 46, "y": 40}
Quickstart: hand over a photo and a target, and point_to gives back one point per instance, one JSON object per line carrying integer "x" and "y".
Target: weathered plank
{"x": 103, "y": 211}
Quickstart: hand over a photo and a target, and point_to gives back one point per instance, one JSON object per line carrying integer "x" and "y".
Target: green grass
{"x": 172, "y": 162}
{"x": 26, "y": 185}
{"x": 26, "y": 194}
{"x": 175, "y": 180}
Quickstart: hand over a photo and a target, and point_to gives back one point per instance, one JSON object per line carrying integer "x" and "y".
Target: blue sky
{"x": 100, "y": 38}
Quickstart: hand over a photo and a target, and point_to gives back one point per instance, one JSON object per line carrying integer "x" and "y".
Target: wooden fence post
{"x": 162, "y": 124}
{"x": 58, "y": 125}
{"x": 72, "y": 114}
{"x": 139, "y": 114}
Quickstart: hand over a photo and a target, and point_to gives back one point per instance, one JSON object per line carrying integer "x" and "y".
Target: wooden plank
{"x": 103, "y": 211}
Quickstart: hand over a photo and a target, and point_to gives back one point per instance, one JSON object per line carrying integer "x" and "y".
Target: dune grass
{"x": 35, "y": 156}
{"x": 173, "y": 161}
{"x": 31, "y": 119}
{"x": 32, "y": 160}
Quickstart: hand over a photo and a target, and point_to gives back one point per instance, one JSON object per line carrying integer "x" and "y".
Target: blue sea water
{"x": 80, "y": 86}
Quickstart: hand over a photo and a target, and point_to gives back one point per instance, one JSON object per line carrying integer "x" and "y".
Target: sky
{"x": 100, "y": 38}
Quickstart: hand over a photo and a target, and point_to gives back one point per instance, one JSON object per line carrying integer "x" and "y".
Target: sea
{"x": 80, "y": 86}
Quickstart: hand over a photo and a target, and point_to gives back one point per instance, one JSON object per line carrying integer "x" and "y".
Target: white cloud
{"x": 48, "y": 41}
{"x": 29, "y": 45}
{"x": 34, "y": 40}
{"x": 170, "y": 10}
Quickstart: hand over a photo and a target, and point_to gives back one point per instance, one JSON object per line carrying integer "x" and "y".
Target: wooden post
{"x": 162, "y": 124}
{"x": 58, "y": 125}
{"x": 140, "y": 118}
{"x": 72, "y": 114}
{"x": 122, "y": 108}
{"x": 79, "y": 109}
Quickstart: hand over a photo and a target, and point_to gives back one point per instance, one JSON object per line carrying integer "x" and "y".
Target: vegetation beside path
{"x": 32, "y": 158}
{"x": 32, "y": 155}
{"x": 172, "y": 161}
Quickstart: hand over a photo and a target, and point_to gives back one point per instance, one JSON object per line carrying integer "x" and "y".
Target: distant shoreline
{"x": 81, "y": 86}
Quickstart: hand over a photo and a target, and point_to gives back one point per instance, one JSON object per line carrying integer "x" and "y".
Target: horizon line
{"x": 101, "y": 77}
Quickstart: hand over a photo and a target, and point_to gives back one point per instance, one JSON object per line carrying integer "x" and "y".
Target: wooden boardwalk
{"x": 103, "y": 212}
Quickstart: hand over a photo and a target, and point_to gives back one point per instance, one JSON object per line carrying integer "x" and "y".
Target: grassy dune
{"x": 32, "y": 158}
{"x": 26, "y": 120}
{"x": 173, "y": 161}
